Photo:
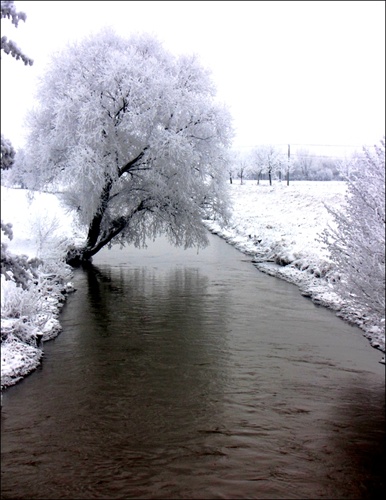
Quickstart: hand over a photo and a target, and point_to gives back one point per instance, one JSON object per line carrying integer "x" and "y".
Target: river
{"x": 185, "y": 374}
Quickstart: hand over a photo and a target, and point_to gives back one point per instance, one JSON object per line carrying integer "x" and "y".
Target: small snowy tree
{"x": 274, "y": 161}
{"x": 231, "y": 174}
{"x": 266, "y": 159}
{"x": 231, "y": 166}
{"x": 240, "y": 165}
{"x": 258, "y": 162}
{"x": 135, "y": 140}
{"x": 357, "y": 243}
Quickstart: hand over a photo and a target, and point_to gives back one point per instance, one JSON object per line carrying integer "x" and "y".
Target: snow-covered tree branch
{"x": 134, "y": 138}
{"x": 8, "y": 11}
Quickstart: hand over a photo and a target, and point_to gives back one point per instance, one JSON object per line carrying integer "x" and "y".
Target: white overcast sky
{"x": 307, "y": 72}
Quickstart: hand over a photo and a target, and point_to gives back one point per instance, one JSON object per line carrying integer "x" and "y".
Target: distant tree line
{"x": 269, "y": 163}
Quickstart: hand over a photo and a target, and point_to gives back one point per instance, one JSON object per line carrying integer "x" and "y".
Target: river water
{"x": 192, "y": 375}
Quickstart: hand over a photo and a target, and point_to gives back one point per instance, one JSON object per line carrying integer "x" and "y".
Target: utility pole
{"x": 288, "y": 166}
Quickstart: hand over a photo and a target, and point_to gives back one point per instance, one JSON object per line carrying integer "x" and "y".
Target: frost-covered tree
{"x": 350, "y": 165}
{"x": 240, "y": 165}
{"x": 231, "y": 174}
{"x": 274, "y": 161}
{"x": 135, "y": 140}
{"x": 357, "y": 242}
{"x": 258, "y": 162}
{"x": 266, "y": 159}
{"x": 231, "y": 166}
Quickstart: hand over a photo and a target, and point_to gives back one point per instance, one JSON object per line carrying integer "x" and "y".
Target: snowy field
{"x": 278, "y": 226}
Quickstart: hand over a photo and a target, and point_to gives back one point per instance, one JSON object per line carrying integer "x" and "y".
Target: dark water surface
{"x": 185, "y": 375}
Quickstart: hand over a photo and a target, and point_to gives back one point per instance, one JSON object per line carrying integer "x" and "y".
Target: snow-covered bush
{"x": 48, "y": 241}
{"x": 33, "y": 290}
{"x": 17, "y": 302}
{"x": 18, "y": 268}
{"x": 7, "y": 153}
{"x": 357, "y": 242}
{"x": 21, "y": 318}
{"x": 32, "y": 312}
{"x": 325, "y": 174}
{"x": 8, "y": 11}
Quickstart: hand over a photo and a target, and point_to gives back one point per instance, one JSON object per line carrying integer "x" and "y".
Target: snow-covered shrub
{"x": 7, "y": 154}
{"x": 33, "y": 291}
{"x": 49, "y": 244}
{"x": 357, "y": 242}
{"x": 323, "y": 174}
{"x": 27, "y": 313}
{"x": 18, "y": 268}
{"x": 19, "y": 309}
{"x": 17, "y": 302}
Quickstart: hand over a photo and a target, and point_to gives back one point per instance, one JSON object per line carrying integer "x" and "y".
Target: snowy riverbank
{"x": 277, "y": 226}
{"x": 40, "y": 229}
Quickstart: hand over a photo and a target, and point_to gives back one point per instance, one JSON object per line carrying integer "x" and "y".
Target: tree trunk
{"x": 81, "y": 256}
{"x": 95, "y": 226}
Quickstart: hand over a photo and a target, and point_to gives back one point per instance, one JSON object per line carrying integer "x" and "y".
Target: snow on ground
{"x": 277, "y": 225}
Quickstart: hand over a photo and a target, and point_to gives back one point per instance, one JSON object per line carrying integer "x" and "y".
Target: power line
{"x": 297, "y": 155}
{"x": 313, "y": 145}
{"x": 334, "y": 145}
